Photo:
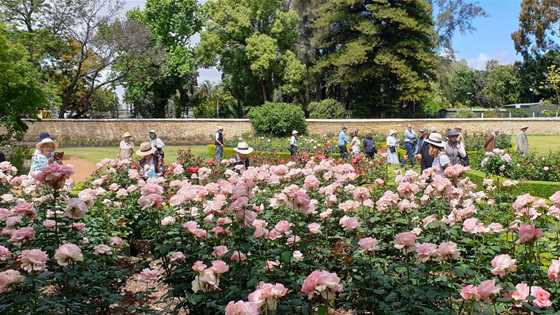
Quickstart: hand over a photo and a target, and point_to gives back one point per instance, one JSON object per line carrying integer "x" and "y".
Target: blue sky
{"x": 490, "y": 40}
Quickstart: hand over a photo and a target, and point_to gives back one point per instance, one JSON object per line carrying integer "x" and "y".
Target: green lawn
{"x": 542, "y": 144}
{"x": 96, "y": 154}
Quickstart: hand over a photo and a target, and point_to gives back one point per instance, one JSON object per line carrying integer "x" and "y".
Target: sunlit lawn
{"x": 542, "y": 144}
{"x": 96, "y": 154}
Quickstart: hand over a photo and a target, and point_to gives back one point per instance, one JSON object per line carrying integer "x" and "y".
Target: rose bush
{"x": 310, "y": 236}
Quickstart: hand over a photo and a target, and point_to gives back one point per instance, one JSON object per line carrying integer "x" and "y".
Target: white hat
{"x": 294, "y": 132}
{"x": 220, "y": 128}
{"x": 524, "y": 127}
{"x": 152, "y": 131}
{"x": 126, "y": 135}
{"x": 435, "y": 139}
{"x": 243, "y": 148}
{"x": 45, "y": 141}
{"x": 145, "y": 149}
{"x": 392, "y": 132}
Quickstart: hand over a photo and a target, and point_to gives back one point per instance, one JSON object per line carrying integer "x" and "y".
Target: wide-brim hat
{"x": 423, "y": 130}
{"x": 453, "y": 133}
{"x": 294, "y": 132}
{"x": 392, "y": 132}
{"x": 126, "y": 135}
{"x": 243, "y": 148}
{"x": 524, "y": 127}
{"x": 152, "y": 131}
{"x": 435, "y": 139}
{"x": 44, "y": 142}
{"x": 220, "y": 128}
{"x": 145, "y": 149}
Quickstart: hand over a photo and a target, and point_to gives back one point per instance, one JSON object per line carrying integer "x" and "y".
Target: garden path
{"x": 82, "y": 168}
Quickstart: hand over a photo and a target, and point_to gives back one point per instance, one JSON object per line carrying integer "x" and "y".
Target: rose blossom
{"x": 521, "y": 292}
{"x": 502, "y": 265}
{"x": 528, "y": 233}
{"x": 554, "y": 270}
{"x": 219, "y": 267}
{"x": 425, "y": 250}
{"x": 469, "y": 292}
{"x": 405, "y": 240}
{"x": 75, "y": 209}
{"x": 542, "y": 297}
{"x": 448, "y": 250}
{"x": 49, "y": 224}
{"x": 4, "y": 253}
{"x": 322, "y": 282}
{"x": 297, "y": 256}
{"x": 168, "y": 220}
{"x": 349, "y": 223}
{"x": 368, "y": 244}
{"x": 314, "y": 228}
{"x": 116, "y": 241}
{"x": 67, "y": 253}
{"x": 33, "y": 260}
{"x": 242, "y": 308}
{"x": 23, "y": 234}
{"x": 8, "y": 278}
{"x": 487, "y": 288}
{"x": 102, "y": 249}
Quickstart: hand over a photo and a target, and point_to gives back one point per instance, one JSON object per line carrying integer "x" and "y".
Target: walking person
{"x": 293, "y": 143}
{"x": 147, "y": 160}
{"x": 243, "y": 151}
{"x": 219, "y": 143}
{"x": 355, "y": 143}
{"x": 158, "y": 145}
{"x": 490, "y": 141}
{"x": 369, "y": 146}
{"x": 423, "y": 151}
{"x": 126, "y": 147}
{"x": 455, "y": 149}
{"x": 410, "y": 140}
{"x": 342, "y": 143}
{"x": 522, "y": 143}
{"x": 392, "y": 147}
{"x": 437, "y": 151}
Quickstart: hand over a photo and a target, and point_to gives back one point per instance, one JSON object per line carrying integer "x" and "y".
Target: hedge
{"x": 541, "y": 189}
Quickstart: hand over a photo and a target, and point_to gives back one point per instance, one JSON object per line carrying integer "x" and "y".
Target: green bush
{"x": 541, "y": 189}
{"x": 327, "y": 109}
{"x": 518, "y": 113}
{"x": 278, "y": 119}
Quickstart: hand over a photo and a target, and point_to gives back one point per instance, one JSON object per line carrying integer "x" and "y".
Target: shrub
{"x": 278, "y": 119}
{"x": 327, "y": 109}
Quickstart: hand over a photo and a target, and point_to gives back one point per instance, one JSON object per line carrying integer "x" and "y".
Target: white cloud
{"x": 209, "y": 74}
{"x": 503, "y": 57}
{"x": 478, "y": 63}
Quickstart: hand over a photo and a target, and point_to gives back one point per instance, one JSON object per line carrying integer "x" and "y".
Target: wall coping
{"x": 218, "y": 120}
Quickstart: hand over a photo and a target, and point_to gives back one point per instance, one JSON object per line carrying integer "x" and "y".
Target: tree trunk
{"x": 263, "y": 87}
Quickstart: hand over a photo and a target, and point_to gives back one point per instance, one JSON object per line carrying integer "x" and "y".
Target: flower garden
{"x": 309, "y": 236}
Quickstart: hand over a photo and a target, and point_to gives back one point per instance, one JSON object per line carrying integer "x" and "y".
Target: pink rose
{"x": 78, "y": 226}
{"x": 102, "y": 249}
{"x": 198, "y": 266}
{"x": 469, "y": 292}
{"x": 68, "y": 253}
{"x": 283, "y": 226}
{"x": 4, "y": 253}
{"x": 271, "y": 264}
{"x": 487, "y": 288}
{"x": 168, "y": 220}
{"x": 75, "y": 209}
{"x": 242, "y": 308}
{"x": 314, "y": 228}
{"x": 49, "y": 224}
{"x": 425, "y": 250}
{"x": 25, "y": 209}
{"x": 219, "y": 267}
{"x": 148, "y": 275}
{"x": 319, "y": 281}
{"x": 542, "y": 297}
{"x": 368, "y": 244}
{"x": 33, "y": 260}
{"x": 8, "y": 278}
{"x": 405, "y": 240}
{"x": 24, "y": 234}
{"x": 528, "y": 233}
{"x": 502, "y": 265}
{"x": 349, "y": 223}
{"x": 521, "y": 292}
{"x": 554, "y": 270}
{"x": 175, "y": 257}
{"x": 219, "y": 251}
{"x": 447, "y": 250}
{"x": 117, "y": 242}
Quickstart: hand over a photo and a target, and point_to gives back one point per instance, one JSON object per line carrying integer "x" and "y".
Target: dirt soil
{"x": 82, "y": 168}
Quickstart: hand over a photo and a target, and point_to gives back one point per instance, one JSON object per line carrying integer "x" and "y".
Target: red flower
{"x": 211, "y": 162}
{"x": 192, "y": 169}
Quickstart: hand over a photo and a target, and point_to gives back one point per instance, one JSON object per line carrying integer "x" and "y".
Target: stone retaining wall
{"x": 200, "y": 131}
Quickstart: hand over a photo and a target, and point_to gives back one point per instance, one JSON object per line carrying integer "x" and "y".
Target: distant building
{"x": 539, "y": 109}
{"x": 475, "y": 112}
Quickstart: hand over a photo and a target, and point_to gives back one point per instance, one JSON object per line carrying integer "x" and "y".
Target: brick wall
{"x": 199, "y": 131}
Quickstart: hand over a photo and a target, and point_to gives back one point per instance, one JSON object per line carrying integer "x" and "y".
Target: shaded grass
{"x": 96, "y": 154}
{"x": 542, "y": 144}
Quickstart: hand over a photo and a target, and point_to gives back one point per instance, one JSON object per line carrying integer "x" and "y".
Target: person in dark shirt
{"x": 243, "y": 153}
{"x": 2, "y": 157}
{"x": 369, "y": 146}
{"x": 423, "y": 153}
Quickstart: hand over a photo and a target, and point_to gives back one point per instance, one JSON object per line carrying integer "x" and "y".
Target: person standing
{"x": 158, "y": 145}
{"x": 423, "y": 152}
{"x": 455, "y": 149}
{"x": 243, "y": 153}
{"x": 355, "y": 143}
{"x": 410, "y": 140}
{"x": 293, "y": 143}
{"x": 219, "y": 143}
{"x": 490, "y": 141}
{"x": 126, "y": 147}
{"x": 437, "y": 151}
{"x": 522, "y": 144}
{"x": 342, "y": 143}
{"x": 43, "y": 156}
{"x": 147, "y": 160}
{"x": 392, "y": 147}
{"x": 369, "y": 146}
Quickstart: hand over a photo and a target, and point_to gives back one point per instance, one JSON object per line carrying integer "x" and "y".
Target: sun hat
{"x": 435, "y": 139}
{"x": 453, "y": 133}
{"x": 126, "y": 135}
{"x": 524, "y": 127}
{"x": 45, "y": 141}
{"x": 145, "y": 149}
{"x": 392, "y": 132}
{"x": 294, "y": 132}
{"x": 152, "y": 131}
{"x": 44, "y": 135}
{"x": 423, "y": 130}
{"x": 220, "y": 128}
{"x": 243, "y": 148}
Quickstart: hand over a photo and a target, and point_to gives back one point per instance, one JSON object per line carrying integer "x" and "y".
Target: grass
{"x": 96, "y": 154}
{"x": 542, "y": 144}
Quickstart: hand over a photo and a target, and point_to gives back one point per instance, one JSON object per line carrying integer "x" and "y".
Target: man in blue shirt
{"x": 342, "y": 142}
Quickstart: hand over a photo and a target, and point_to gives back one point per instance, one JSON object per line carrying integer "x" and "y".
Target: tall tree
{"x": 376, "y": 56}
{"x": 539, "y": 27}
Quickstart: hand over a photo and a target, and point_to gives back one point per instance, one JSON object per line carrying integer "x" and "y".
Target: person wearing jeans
{"x": 219, "y": 143}
{"x": 342, "y": 142}
{"x": 410, "y": 139}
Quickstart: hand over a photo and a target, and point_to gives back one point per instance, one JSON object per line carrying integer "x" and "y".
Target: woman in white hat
{"x": 44, "y": 155}
{"x": 147, "y": 159}
{"x": 437, "y": 151}
{"x": 126, "y": 147}
{"x": 392, "y": 147}
{"x": 293, "y": 143}
{"x": 243, "y": 152}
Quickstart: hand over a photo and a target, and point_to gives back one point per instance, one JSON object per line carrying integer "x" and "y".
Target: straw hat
{"x": 145, "y": 149}
{"x": 435, "y": 139}
{"x": 220, "y": 128}
{"x": 392, "y": 132}
{"x": 524, "y": 128}
{"x": 45, "y": 141}
{"x": 294, "y": 132}
{"x": 152, "y": 131}
{"x": 126, "y": 135}
{"x": 243, "y": 148}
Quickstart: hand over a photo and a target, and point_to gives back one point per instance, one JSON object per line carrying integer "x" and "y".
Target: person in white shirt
{"x": 437, "y": 151}
{"x": 158, "y": 145}
{"x": 293, "y": 143}
{"x": 355, "y": 143}
{"x": 126, "y": 147}
{"x": 392, "y": 147}
{"x": 410, "y": 140}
